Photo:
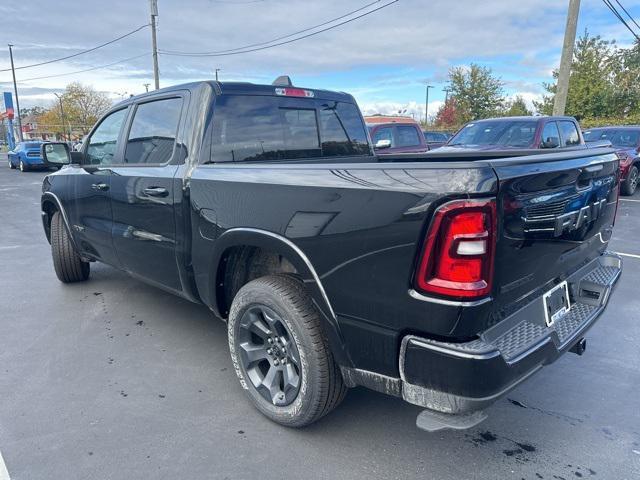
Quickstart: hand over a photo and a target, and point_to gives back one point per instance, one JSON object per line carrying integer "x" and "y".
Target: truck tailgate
{"x": 557, "y": 214}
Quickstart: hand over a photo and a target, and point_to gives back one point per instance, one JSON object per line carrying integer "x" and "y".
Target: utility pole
{"x": 426, "y": 106}
{"x": 146, "y": 86}
{"x": 153, "y": 5}
{"x": 446, "y": 94}
{"x": 15, "y": 90}
{"x": 562, "y": 89}
{"x": 59, "y": 97}
{"x": 217, "y": 70}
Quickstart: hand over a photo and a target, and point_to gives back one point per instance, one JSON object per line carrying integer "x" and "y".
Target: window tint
{"x": 626, "y": 138}
{"x": 384, "y": 133}
{"x": 260, "y": 128}
{"x": 249, "y": 128}
{"x": 102, "y": 144}
{"x": 342, "y": 130}
{"x": 497, "y": 132}
{"x": 153, "y": 132}
{"x": 595, "y": 135}
{"x": 551, "y": 131}
{"x": 434, "y": 137}
{"x": 407, "y": 137}
{"x": 569, "y": 133}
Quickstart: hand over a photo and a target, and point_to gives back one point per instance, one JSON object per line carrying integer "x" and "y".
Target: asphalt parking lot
{"x": 114, "y": 379}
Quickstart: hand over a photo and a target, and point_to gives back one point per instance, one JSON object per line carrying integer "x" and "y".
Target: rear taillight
{"x": 458, "y": 254}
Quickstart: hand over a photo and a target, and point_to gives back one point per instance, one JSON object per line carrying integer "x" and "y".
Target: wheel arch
{"x": 273, "y": 243}
{"x": 50, "y": 204}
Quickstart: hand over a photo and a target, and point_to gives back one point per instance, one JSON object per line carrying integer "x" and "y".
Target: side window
{"x": 384, "y": 133}
{"x": 102, "y": 143}
{"x": 550, "y": 133}
{"x": 153, "y": 132}
{"x": 407, "y": 136}
{"x": 343, "y": 132}
{"x": 570, "y": 136}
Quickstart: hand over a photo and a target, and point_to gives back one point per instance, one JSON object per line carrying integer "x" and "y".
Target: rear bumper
{"x": 463, "y": 377}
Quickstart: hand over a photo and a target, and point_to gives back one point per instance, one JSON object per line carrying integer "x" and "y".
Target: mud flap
{"x": 433, "y": 421}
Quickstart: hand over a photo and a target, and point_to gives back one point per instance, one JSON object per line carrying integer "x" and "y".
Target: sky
{"x": 384, "y": 59}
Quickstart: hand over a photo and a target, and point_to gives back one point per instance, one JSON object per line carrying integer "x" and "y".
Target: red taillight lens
{"x": 457, "y": 259}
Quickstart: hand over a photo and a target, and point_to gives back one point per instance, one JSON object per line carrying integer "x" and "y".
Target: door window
{"x": 153, "y": 132}
{"x": 570, "y": 136}
{"x": 102, "y": 146}
{"x": 407, "y": 137}
{"x": 385, "y": 133}
{"x": 550, "y": 134}
{"x": 342, "y": 130}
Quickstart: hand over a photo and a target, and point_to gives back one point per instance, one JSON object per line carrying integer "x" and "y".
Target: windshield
{"x": 619, "y": 138}
{"x": 519, "y": 133}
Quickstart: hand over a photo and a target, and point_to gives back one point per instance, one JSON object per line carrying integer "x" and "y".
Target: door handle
{"x": 103, "y": 187}
{"x": 156, "y": 192}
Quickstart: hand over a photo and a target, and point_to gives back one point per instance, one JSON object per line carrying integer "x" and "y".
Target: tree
{"x": 477, "y": 92}
{"x": 448, "y": 115}
{"x": 591, "y": 83}
{"x": 516, "y": 107}
{"x": 82, "y": 107}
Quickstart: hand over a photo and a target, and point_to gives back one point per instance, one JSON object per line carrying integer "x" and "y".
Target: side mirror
{"x": 381, "y": 144}
{"x": 55, "y": 154}
{"x": 551, "y": 142}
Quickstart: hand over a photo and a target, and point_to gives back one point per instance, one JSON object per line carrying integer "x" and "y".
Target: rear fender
{"x": 273, "y": 242}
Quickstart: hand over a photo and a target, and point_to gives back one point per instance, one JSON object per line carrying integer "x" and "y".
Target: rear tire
{"x": 11, "y": 165}
{"x": 631, "y": 183}
{"x": 23, "y": 166}
{"x": 68, "y": 265}
{"x": 275, "y": 314}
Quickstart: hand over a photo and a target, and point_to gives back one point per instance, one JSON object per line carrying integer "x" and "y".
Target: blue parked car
{"x": 26, "y": 156}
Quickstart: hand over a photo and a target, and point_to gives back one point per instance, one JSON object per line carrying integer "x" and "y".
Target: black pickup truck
{"x": 443, "y": 282}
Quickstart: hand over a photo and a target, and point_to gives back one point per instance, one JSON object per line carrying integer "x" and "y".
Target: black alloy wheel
{"x": 269, "y": 356}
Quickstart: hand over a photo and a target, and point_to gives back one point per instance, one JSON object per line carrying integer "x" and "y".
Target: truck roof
{"x": 521, "y": 118}
{"x": 243, "y": 88}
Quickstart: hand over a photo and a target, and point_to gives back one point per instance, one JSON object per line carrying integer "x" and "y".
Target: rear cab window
{"x": 407, "y": 136}
{"x": 270, "y": 128}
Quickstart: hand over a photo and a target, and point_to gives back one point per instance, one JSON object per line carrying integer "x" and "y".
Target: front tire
{"x": 11, "y": 165}
{"x": 280, "y": 353}
{"x": 23, "y": 166}
{"x": 631, "y": 183}
{"x": 68, "y": 265}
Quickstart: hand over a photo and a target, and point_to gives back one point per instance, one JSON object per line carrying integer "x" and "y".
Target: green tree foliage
{"x": 516, "y": 107}
{"x": 603, "y": 82}
{"x": 477, "y": 92}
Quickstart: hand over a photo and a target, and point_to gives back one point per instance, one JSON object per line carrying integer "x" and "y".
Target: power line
{"x": 619, "y": 16}
{"x": 628, "y": 14}
{"x": 280, "y": 43}
{"x": 273, "y": 39}
{"x": 85, "y": 70}
{"x": 79, "y": 53}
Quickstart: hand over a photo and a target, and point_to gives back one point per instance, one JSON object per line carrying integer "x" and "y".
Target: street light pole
{"x": 217, "y": 70}
{"x": 146, "y": 86}
{"x": 15, "y": 90}
{"x": 562, "y": 90}
{"x": 426, "y": 106}
{"x": 153, "y": 5}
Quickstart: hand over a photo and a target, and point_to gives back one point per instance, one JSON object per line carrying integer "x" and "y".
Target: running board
{"x": 433, "y": 421}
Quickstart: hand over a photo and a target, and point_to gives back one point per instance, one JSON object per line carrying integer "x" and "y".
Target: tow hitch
{"x": 580, "y": 347}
